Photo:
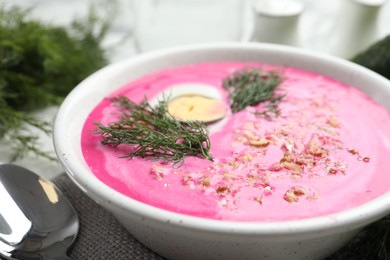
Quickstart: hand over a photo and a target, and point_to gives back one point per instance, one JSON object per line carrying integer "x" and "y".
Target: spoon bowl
{"x": 36, "y": 219}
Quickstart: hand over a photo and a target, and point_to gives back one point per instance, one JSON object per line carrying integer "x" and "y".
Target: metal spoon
{"x": 36, "y": 219}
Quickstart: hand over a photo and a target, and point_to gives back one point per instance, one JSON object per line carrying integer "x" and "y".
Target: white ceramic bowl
{"x": 178, "y": 236}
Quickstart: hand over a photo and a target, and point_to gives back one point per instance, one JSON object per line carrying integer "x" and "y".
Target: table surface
{"x": 315, "y": 22}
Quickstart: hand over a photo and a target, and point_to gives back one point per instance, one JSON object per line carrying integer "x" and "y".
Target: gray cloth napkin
{"x": 100, "y": 235}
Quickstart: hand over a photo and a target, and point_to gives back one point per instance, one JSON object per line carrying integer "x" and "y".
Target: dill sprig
{"x": 39, "y": 65}
{"x": 271, "y": 109}
{"x": 249, "y": 87}
{"x": 154, "y": 134}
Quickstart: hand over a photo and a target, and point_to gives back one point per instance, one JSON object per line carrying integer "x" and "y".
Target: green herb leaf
{"x": 249, "y": 87}
{"x": 39, "y": 65}
{"x": 154, "y": 134}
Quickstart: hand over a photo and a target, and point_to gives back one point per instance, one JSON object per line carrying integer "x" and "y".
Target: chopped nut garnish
{"x": 359, "y": 158}
{"x": 353, "y": 151}
{"x": 287, "y": 157}
{"x": 241, "y": 139}
{"x": 293, "y": 194}
{"x": 222, "y": 190}
{"x": 366, "y": 159}
{"x": 206, "y": 182}
{"x": 259, "y": 200}
{"x": 158, "y": 171}
{"x": 333, "y": 122}
{"x": 262, "y": 142}
{"x": 246, "y": 157}
{"x": 296, "y": 175}
{"x": 314, "y": 147}
{"x": 275, "y": 167}
{"x": 299, "y": 191}
{"x": 290, "y": 196}
{"x": 234, "y": 164}
{"x": 288, "y": 146}
{"x": 248, "y": 134}
{"x": 186, "y": 179}
{"x": 293, "y": 167}
{"x": 229, "y": 175}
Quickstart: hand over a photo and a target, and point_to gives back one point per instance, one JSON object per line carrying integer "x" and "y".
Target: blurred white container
{"x": 276, "y": 21}
{"x": 355, "y": 27}
{"x": 167, "y": 23}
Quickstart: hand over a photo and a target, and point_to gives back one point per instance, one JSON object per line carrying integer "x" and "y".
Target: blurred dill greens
{"x": 376, "y": 57}
{"x": 39, "y": 65}
{"x": 373, "y": 243}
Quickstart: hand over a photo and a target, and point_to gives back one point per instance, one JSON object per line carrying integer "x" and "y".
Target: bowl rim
{"x": 347, "y": 220}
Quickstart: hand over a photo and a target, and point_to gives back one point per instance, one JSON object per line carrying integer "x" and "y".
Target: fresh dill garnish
{"x": 249, "y": 87}
{"x": 39, "y": 65}
{"x": 154, "y": 134}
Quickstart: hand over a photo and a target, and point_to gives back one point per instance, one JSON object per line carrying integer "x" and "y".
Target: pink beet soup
{"x": 326, "y": 152}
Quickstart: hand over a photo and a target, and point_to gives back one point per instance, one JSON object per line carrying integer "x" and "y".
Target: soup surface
{"x": 325, "y": 152}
